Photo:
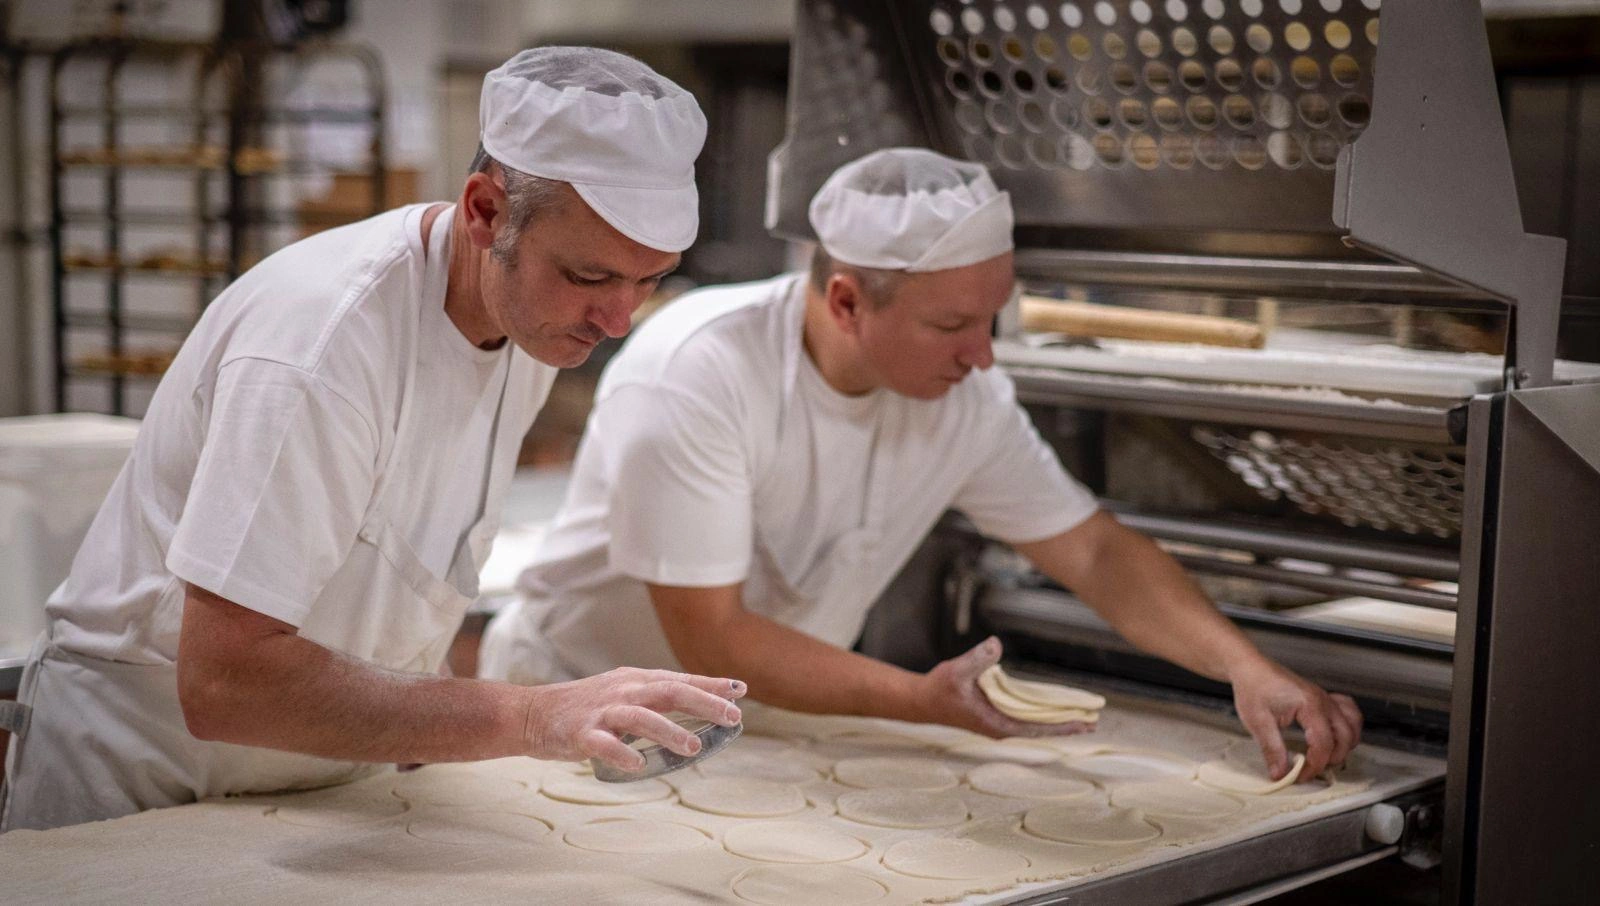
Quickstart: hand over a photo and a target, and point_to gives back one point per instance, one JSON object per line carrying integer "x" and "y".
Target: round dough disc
{"x": 1130, "y": 764}
{"x": 1002, "y": 778}
{"x": 791, "y": 841}
{"x": 788, "y": 885}
{"x": 431, "y": 786}
{"x": 636, "y": 836}
{"x": 742, "y": 797}
{"x": 1014, "y": 751}
{"x": 895, "y": 773}
{"x": 763, "y": 758}
{"x": 902, "y": 808}
{"x": 1233, "y": 778}
{"x": 585, "y": 790}
{"x": 1174, "y": 799}
{"x": 473, "y": 827}
{"x": 951, "y": 859}
{"x": 1088, "y": 823}
{"x": 1047, "y": 695}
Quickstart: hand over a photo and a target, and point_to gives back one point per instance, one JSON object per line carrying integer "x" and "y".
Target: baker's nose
{"x": 615, "y": 316}
{"x": 977, "y": 354}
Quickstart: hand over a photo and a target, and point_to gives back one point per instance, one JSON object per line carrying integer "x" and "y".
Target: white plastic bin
{"x": 55, "y": 471}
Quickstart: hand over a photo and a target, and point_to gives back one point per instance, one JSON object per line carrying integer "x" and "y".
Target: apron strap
{"x": 14, "y": 717}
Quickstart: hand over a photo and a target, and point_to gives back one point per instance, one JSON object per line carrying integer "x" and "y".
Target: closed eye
{"x": 580, "y": 280}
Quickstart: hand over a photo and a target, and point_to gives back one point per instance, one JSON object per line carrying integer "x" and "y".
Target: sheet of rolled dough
{"x": 1091, "y": 824}
{"x": 791, "y": 841}
{"x": 1016, "y": 751}
{"x": 794, "y": 885}
{"x": 429, "y": 786}
{"x": 780, "y": 767}
{"x": 902, "y": 808}
{"x": 1174, "y": 799}
{"x": 1115, "y": 765}
{"x": 741, "y": 797}
{"x": 896, "y": 773}
{"x": 1015, "y": 781}
{"x": 636, "y": 836}
{"x": 477, "y": 827}
{"x": 951, "y": 859}
{"x": 585, "y": 790}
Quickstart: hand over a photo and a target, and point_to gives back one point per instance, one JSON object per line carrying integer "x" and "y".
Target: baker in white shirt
{"x": 762, "y": 459}
{"x": 267, "y": 594}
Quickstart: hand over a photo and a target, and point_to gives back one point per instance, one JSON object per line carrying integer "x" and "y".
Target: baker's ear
{"x": 482, "y": 209}
{"x": 846, "y": 301}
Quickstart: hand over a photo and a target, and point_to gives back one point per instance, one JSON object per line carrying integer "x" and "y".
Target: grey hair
{"x": 877, "y": 284}
{"x": 527, "y": 198}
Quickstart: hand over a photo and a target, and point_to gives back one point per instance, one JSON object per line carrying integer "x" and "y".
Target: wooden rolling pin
{"x": 1086, "y": 319}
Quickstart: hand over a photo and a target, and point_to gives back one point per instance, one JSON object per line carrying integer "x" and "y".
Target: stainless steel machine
{"x": 1406, "y": 436}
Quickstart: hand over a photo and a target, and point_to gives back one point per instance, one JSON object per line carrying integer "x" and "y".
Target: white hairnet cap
{"x": 624, "y": 136}
{"x": 910, "y": 209}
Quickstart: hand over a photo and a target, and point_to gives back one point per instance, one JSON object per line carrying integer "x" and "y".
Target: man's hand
{"x": 586, "y": 718}
{"x": 1270, "y": 697}
{"x": 953, "y": 698}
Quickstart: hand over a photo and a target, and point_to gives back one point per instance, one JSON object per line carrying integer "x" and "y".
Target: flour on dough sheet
{"x": 1116, "y": 765}
{"x": 791, "y": 841}
{"x": 476, "y": 827}
{"x": 894, "y": 773}
{"x": 585, "y": 790}
{"x": 1016, "y": 751}
{"x": 795, "y": 885}
{"x": 636, "y": 836}
{"x": 740, "y": 797}
{"x": 1016, "y": 781}
{"x": 1174, "y": 799}
{"x": 1089, "y": 823}
{"x": 951, "y": 859}
{"x": 902, "y": 808}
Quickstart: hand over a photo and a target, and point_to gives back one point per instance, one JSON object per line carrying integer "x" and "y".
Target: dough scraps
{"x": 1174, "y": 799}
{"x": 1088, "y": 823}
{"x": 902, "y": 808}
{"x": 636, "y": 836}
{"x": 1003, "y": 778}
{"x": 585, "y": 790}
{"x": 791, "y": 885}
{"x": 741, "y": 797}
{"x": 1232, "y": 777}
{"x": 1113, "y": 765}
{"x": 895, "y": 773}
{"x": 791, "y": 841}
{"x": 951, "y": 859}
{"x": 477, "y": 827}
{"x": 1016, "y": 751}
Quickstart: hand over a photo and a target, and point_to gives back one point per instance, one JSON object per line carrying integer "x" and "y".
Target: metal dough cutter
{"x": 659, "y": 760}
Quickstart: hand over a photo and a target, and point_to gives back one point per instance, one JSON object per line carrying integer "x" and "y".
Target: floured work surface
{"x": 767, "y": 821}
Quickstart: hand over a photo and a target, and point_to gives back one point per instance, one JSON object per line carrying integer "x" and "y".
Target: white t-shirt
{"x": 717, "y": 454}
{"x": 324, "y": 400}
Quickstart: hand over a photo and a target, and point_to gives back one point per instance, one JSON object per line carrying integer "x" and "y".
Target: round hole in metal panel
{"x": 969, "y": 117}
{"x": 1230, "y": 75}
{"x": 1345, "y": 70}
{"x": 1178, "y": 151}
{"x": 1078, "y": 45}
{"x": 950, "y": 52}
{"x": 1259, "y": 37}
{"x": 1045, "y": 47}
{"x": 1265, "y": 72}
{"x": 991, "y": 84}
{"x": 1202, "y": 112}
{"x": 960, "y": 83}
{"x": 1071, "y": 15}
{"x": 1023, "y": 79}
{"x": 1077, "y": 152}
{"x": 1251, "y": 8}
{"x": 1013, "y": 49}
{"x": 980, "y": 149}
{"x": 1108, "y": 149}
{"x": 1238, "y": 111}
{"x": 1123, "y": 78}
{"x": 1276, "y": 110}
{"x": 1089, "y": 81}
{"x": 1042, "y": 151}
{"x": 1297, "y": 36}
{"x": 1337, "y": 34}
{"x": 1177, "y": 10}
{"x": 1114, "y": 46}
{"x": 1372, "y": 31}
{"x": 982, "y": 52}
{"x": 1004, "y": 18}
{"x": 1166, "y": 113}
{"x": 1158, "y": 76}
{"x": 971, "y": 20}
{"x": 1305, "y": 72}
{"x": 1289, "y": 7}
{"x": 1008, "y": 148}
{"x": 1140, "y": 11}
{"x": 1105, "y": 13}
{"x": 1213, "y": 8}
{"x": 1065, "y": 113}
{"x": 1355, "y": 110}
{"x": 1133, "y": 114}
{"x": 1192, "y": 75}
{"x": 1098, "y": 113}
{"x": 1148, "y": 42}
{"x": 1184, "y": 41}
{"x": 1038, "y": 17}
{"x": 1285, "y": 151}
{"x": 1032, "y": 116}
{"x": 1211, "y": 151}
{"x": 1055, "y": 78}
{"x": 1315, "y": 110}
{"x": 1001, "y": 117}
{"x": 1220, "y": 39}
{"x": 1143, "y": 150}
{"x": 940, "y": 22}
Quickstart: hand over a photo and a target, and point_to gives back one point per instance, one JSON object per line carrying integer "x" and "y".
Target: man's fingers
{"x": 977, "y": 659}
{"x": 1319, "y": 741}
{"x": 647, "y": 724}
{"x": 1264, "y": 727}
{"x": 671, "y": 695}
{"x": 721, "y": 686}
{"x": 1352, "y": 712}
{"x": 597, "y": 743}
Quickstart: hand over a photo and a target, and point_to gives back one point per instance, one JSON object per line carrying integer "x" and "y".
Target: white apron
{"x": 99, "y": 739}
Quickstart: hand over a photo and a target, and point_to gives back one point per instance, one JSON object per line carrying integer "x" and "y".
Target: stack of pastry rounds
{"x": 1040, "y": 703}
